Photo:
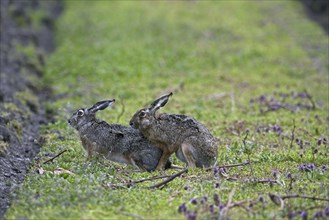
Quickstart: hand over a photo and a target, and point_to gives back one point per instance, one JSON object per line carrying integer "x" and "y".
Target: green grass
{"x": 216, "y": 56}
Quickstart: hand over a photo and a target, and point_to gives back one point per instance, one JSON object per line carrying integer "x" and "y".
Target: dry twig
{"x": 278, "y": 200}
{"x": 224, "y": 211}
{"x": 131, "y": 183}
{"x": 250, "y": 165}
{"x": 169, "y": 179}
{"x": 304, "y": 197}
{"x": 228, "y": 165}
{"x": 310, "y": 98}
{"x": 57, "y": 155}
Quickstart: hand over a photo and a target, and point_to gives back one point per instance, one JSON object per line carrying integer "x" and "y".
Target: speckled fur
{"x": 115, "y": 142}
{"x": 189, "y": 139}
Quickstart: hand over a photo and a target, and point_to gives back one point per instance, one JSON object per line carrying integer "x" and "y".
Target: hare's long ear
{"x": 160, "y": 102}
{"x": 101, "y": 105}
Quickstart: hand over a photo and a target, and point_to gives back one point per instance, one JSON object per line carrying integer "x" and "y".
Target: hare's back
{"x": 183, "y": 122}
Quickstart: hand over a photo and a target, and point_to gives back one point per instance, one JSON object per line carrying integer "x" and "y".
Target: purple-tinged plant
{"x": 262, "y": 98}
{"x": 182, "y": 208}
{"x": 302, "y": 167}
{"x": 217, "y": 185}
{"x": 216, "y": 171}
{"x": 319, "y": 142}
{"x": 211, "y": 209}
{"x": 303, "y": 215}
{"x": 222, "y": 170}
{"x": 186, "y": 187}
{"x": 311, "y": 166}
{"x": 316, "y": 150}
{"x": 326, "y": 211}
{"x": 307, "y": 167}
{"x": 324, "y": 168}
{"x": 216, "y": 199}
{"x": 300, "y": 143}
{"x": 194, "y": 201}
{"x": 318, "y": 214}
{"x": 292, "y": 214}
{"x": 289, "y": 176}
{"x": 277, "y": 129}
{"x": 261, "y": 199}
{"x": 279, "y": 132}
{"x": 191, "y": 215}
{"x": 275, "y": 174}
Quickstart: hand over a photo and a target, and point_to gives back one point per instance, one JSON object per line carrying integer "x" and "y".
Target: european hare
{"x": 116, "y": 142}
{"x": 191, "y": 140}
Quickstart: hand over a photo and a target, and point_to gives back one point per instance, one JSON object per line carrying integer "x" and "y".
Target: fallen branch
{"x": 228, "y": 165}
{"x": 278, "y": 200}
{"x": 171, "y": 178}
{"x": 57, "y": 155}
{"x": 228, "y": 206}
{"x": 310, "y": 98}
{"x": 304, "y": 197}
{"x": 242, "y": 205}
{"x": 131, "y": 183}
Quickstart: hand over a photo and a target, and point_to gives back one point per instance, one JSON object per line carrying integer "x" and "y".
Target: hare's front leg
{"x": 187, "y": 150}
{"x": 137, "y": 165}
{"x": 88, "y": 147}
{"x": 163, "y": 160}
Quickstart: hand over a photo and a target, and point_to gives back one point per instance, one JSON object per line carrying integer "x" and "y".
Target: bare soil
{"x": 19, "y": 130}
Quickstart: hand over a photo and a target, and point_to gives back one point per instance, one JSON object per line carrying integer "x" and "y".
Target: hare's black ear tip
{"x": 170, "y": 94}
{"x": 113, "y": 100}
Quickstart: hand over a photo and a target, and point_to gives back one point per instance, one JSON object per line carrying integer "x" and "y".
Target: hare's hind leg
{"x": 187, "y": 150}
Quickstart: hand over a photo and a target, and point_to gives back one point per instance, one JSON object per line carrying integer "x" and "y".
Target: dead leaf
{"x": 40, "y": 170}
{"x": 60, "y": 170}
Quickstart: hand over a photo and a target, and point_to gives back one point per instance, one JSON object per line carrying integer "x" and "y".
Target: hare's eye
{"x": 142, "y": 114}
{"x": 81, "y": 113}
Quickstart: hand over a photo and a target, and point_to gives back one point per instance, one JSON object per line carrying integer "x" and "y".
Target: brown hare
{"x": 116, "y": 142}
{"x": 189, "y": 139}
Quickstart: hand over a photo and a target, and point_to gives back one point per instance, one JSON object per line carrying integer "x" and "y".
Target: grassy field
{"x": 242, "y": 67}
